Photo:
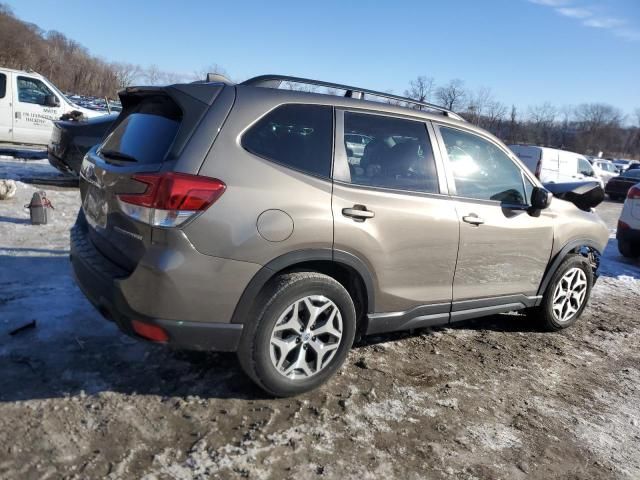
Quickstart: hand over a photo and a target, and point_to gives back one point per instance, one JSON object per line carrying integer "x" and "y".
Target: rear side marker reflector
{"x": 170, "y": 199}
{"x": 150, "y": 332}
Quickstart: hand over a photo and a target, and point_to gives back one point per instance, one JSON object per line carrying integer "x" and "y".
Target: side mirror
{"x": 51, "y": 101}
{"x": 540, "y": 198}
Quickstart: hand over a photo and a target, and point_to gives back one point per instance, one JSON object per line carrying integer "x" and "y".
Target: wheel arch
{"x": 346, "y": 268}
{"x": 582, "y": 246}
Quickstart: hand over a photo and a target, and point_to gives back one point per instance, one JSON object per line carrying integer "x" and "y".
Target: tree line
{"x": 589, "y": 128}
{"x": 69, "y": 65}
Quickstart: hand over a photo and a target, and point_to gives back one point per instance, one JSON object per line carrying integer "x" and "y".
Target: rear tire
{"x": 567, "y": 294}
{"x": 627, "y": 250}
{"x": 305, "y": 324}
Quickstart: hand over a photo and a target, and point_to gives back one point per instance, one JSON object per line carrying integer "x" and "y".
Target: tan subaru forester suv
{"x": 284, "y": 224}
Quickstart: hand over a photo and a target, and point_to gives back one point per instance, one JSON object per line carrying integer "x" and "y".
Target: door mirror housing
{"x": 51, "y": 101}
{"x": 540, "y": 198}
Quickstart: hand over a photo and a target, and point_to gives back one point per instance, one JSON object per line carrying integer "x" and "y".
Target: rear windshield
{"x": 146, "y": 134}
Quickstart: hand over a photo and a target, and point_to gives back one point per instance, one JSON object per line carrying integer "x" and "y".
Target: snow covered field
{"x": 494, "y": 398}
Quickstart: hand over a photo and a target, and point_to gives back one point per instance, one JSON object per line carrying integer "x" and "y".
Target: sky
{"x": 527, "y": 52}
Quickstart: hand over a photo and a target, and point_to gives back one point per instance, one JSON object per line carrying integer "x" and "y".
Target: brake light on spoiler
{"x": 170, "y": 198}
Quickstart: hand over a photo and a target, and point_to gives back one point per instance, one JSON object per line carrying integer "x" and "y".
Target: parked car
{"x": 227, "y": 217}
{"x": 628, "y": 232}
{"x": 634, "y": 166}
{"x": 605, "y": 170}
{"x": 29, "y": 103}
{"x": 72, "y": 139}
{"x": 618, "y": 187}
{"x": 551, "y": 165}
{"x": 622, "y": 165}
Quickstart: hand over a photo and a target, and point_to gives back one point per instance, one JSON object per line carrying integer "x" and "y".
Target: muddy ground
{"x": 493, "y": 398}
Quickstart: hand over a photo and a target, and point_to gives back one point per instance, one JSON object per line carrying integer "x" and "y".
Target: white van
{"x": 28, "y": 104}
{"x": 551, "y": 165}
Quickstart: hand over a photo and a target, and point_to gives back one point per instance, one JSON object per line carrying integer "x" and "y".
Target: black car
{"x": 71, "y": 140}
{"x": 618, "y": 187}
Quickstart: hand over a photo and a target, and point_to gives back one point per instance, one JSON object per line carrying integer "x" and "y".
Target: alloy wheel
{"x": 306, "y": 337}
{"x": 569, "y": 295}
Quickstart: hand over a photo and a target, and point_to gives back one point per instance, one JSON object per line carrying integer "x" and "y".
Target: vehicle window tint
{"x": 145, "y": 135}
{"x": 32, "y": 90}
{"x": 482, "y": 170}
{"x": 295, "y": 135}
{"x": 635, "y": 173}
{"x": 3, "y": 85}
{"x": 389, "y": 152}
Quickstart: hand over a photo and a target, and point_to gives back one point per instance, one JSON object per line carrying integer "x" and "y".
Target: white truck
{"x": 28, "y": 105}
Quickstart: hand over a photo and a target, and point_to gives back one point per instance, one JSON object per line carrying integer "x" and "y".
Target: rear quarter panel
{"x": 229, "y": 227}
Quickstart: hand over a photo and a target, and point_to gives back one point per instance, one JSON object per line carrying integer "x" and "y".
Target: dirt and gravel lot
{"x": 493, "y": 398}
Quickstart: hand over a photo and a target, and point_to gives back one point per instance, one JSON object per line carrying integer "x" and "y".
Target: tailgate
{"x": 150, "y": 135}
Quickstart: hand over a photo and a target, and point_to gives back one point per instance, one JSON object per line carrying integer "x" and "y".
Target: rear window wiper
{"x": 116, "y": 155}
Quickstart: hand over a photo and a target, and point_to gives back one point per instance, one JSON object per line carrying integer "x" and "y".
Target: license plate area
{"x": 96, "y": 207}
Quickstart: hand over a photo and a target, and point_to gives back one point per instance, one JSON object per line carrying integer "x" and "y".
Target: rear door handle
{"x": 473, "y": 219}
{"x": 358, "y": 212}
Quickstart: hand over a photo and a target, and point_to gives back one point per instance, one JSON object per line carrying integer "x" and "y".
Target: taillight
{"x": 538, "y": 168}
{"x": 170, "y": 198}
{"x": 634, "y": 193}
{"x": 622, "y": 225}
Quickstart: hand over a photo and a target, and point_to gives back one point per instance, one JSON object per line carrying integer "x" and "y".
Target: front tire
{"x": 304, "y": 326}
{"x": 567, "y": 294}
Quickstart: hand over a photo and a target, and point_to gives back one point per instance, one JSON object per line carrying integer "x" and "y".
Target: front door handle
{"x": 473, "y": 219}
{"x": 358, "y": 212}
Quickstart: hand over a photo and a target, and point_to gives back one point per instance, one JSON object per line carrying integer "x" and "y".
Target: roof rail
{"x": 274, "y": 81}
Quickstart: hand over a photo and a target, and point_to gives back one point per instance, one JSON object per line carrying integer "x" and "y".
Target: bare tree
{"x": 420, "y": 89}
{"x": 477, "y": 103}
{"x": 452, "y": 95}
{"x": 514, "y": 127}
{"x": 214, "y": 68}
{"x": 599, "y": 126}
{"x": 152, "y": 75}
{"x": 126, "y": 73}
{"x": 493, "y": 116}
{"x": 541, "y": 119}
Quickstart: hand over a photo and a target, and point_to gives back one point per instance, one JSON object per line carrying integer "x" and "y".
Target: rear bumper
{"x": 59, "y": 164}
{"x": 628, "y": 235}
{"x": 101, "y": 282}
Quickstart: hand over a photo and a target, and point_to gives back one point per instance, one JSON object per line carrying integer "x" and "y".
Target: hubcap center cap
{"x": 306, "y": 337}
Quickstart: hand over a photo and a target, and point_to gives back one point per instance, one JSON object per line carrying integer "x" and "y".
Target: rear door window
{"x": 145, "y": 135}
{"x": 395, "y": 152}
{"x": 295, "y": 135}
{"x": 3, "y": 85}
